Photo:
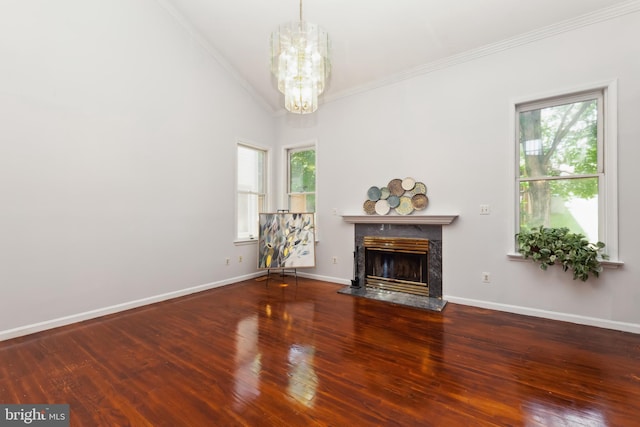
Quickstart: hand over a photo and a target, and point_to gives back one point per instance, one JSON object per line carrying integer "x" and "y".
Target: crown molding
{"x": 591, "y": 18}
{"x": 629, "y": 7}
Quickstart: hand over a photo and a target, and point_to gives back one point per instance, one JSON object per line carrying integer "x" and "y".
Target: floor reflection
{"x": 303, "y": 381}
{"x": 248, "y": 361}
{"x": 298, "y": 317}
{"x": 287, "y": 325}
{"x": 544, "y": 415}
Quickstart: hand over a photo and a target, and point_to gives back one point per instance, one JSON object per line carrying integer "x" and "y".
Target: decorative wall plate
{"x": 395, "y": 187}
{"x": 384, "y": 193}
{"x": 374, "y": 194}
{"x": 369, "y": 207}
{"x": 405, "y": 207}
{"x": 408, "y": 184}
{"x": 410, "y": 193}
{"x": 382, "y": 207}
{"x": 420, "y": 188}
{"x": 393, "y": 201}
{"x": 419, "y": 202}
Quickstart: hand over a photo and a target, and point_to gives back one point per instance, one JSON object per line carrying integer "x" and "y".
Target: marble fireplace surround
{"x": 414, "y": 226}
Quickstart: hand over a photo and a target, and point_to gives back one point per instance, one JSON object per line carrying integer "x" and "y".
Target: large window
{"x": 251, "y": 187}
{"x": 301, "y": 179}
{"x": 561, "y": 179}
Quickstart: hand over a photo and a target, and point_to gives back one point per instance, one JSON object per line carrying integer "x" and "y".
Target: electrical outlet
{"x": 240, "y": 258}
{"x": 334, "y": 260}
{"x": 486, "y": 277}
{"x": 334, "y": 211}
{"x": 484, "y": 210}
{"x": 227, "y": 261}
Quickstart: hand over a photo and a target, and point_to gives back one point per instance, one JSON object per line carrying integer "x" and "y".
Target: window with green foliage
{"x": 301, "y": 179}
{"x": 561, "y": 169}
{"x": 251, "y": 190}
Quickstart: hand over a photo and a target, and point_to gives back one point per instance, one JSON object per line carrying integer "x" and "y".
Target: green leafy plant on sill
{"x": 550, "y": 246}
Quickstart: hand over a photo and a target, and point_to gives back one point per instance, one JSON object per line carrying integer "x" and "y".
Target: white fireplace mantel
{"x": 400, "y": 219}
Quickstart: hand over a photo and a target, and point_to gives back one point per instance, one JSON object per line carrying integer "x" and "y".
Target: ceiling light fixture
{"x": 300, "y": 63}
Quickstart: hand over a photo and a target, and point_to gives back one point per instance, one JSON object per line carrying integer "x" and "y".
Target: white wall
{"x": 116, "y": 185}
{"x": 116, "y": 133}
{"x": 451, "y": 129}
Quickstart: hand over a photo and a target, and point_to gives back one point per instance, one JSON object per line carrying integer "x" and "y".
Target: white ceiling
{"x": 377, "y": 41}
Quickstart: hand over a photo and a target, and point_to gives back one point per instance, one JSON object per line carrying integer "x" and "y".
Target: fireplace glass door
{"x": 398, "y": 264}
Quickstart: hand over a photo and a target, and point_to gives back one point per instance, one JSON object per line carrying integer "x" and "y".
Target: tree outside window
{"x": 560, "y": 163}
{"x": 302, "y": 179}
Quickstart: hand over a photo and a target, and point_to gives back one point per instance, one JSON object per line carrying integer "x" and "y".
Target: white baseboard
{"x": 326, "y": 278}
{"x": 92, "y": 314}
{"x": 80, "y": 317}
{"x": 554, "y": 315}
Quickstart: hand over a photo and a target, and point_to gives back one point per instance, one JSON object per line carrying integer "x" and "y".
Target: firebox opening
{"x": 397, "y": 264}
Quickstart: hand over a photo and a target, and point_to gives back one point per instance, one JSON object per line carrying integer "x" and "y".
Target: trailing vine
{"x": 551, "y": 246}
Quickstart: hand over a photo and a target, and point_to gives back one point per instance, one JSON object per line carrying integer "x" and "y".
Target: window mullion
{"x": 559, "y": 178}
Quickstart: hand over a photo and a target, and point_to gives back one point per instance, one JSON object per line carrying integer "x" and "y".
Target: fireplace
{"x": 398, "y": 259}
{"x": 396, "y": 264}
{"x": 404, "y": 258}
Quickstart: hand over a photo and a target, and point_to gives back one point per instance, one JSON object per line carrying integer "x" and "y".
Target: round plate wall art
{"x": 400, "y": 196}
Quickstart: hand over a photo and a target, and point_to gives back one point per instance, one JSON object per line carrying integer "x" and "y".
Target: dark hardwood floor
{"x": 245, "y": 355}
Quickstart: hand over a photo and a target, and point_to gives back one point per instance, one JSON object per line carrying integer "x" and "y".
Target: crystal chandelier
{"x": 300, "y": 63}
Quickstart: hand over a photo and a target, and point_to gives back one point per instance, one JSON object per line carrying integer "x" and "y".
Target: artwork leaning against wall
{"x": 286, "y": 240}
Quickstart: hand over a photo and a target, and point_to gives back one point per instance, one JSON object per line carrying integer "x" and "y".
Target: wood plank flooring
{"x": 245, "y": 355}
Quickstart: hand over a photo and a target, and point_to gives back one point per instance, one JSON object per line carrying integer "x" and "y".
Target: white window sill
{"x": 608, "y": 263}
{"x": 242, "y": 242}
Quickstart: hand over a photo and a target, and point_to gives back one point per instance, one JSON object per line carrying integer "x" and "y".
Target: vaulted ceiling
{"x": 375, "y": 42}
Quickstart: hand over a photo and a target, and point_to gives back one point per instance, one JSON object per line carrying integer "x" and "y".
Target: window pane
{"x": 251, "y": 189}
{"x": 560, "y": 140}
{"x": 249, "y": 205}
{"x": 302, "y": 171}
{"x": 302, "y": 202}
{"x": 571, "y": 203}
{"x": 250, "y": 169}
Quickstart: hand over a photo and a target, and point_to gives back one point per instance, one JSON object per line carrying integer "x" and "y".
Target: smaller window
{"x": 251, "y": 190}
{"x": 301, "y": 188}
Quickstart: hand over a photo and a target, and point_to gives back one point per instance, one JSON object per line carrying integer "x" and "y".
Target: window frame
{"x": 607, "y": 158}
{"x": 265, "y": 194}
